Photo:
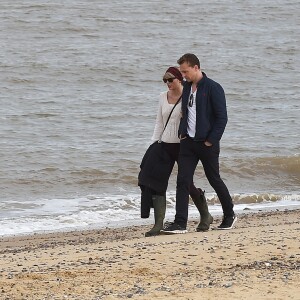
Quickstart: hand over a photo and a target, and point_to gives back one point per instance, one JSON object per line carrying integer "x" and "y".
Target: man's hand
{"x": 207, "y": 143}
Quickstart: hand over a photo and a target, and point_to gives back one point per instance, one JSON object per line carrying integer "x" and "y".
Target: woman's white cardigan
{"x": 170, "y": 134}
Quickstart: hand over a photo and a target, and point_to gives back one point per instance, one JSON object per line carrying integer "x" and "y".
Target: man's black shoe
{"x": 227, "y": 223}
{"x": 173, "y": 228}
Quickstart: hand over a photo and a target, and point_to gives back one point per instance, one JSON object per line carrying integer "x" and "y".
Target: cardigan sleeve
{"x": 159, "y": 124}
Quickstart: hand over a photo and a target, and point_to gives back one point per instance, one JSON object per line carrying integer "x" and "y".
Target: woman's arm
{"x": 159, "y": 124}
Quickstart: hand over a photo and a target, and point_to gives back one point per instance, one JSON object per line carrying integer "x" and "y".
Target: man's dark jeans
{"x": 190, "y": 154}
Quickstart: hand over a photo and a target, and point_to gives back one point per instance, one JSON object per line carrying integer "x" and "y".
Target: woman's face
{"x": 172, "y": 83}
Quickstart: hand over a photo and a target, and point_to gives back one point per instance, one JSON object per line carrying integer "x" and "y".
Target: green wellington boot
{"x": 205, "y": 217}
{"x": 159, "y": 205}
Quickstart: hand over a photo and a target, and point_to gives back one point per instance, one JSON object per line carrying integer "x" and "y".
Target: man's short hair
{"x": 189, "y": 58}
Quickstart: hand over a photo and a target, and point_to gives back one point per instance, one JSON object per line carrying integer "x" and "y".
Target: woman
{"x": 168, "y": 135}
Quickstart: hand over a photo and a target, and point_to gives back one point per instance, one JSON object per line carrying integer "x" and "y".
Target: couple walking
{"x": 190, "y": 122}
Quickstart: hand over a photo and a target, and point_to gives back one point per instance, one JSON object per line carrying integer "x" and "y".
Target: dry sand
{"x": 258, "y": 259}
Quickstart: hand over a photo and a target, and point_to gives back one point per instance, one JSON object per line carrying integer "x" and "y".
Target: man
{"x": 204, "y": 117}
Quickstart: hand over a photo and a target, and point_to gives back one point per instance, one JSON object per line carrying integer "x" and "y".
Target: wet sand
{"x": 258, "y": 259}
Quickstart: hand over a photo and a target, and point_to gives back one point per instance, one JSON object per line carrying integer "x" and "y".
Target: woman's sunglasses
{"x": 170, "y": 80}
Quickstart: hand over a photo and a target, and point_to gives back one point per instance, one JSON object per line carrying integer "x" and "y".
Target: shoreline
{"x": 259, "y": 258}
{"x": 193, "y": 214}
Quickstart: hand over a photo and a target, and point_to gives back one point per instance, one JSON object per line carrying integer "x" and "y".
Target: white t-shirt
{"x": 170, "y": 135}
{"x": 191, "y": 128}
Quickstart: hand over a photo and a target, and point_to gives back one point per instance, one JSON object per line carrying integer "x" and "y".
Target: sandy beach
{"x": 258, "y": 259}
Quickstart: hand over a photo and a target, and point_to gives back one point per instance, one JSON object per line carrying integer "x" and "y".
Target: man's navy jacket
{"x": 211, "y": 118}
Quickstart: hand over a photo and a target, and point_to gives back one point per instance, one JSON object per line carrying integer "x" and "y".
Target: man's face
{"x": 188, "y": 72}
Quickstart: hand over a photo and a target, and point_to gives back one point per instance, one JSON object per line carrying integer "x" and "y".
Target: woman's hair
{"x": 173, "y": 72}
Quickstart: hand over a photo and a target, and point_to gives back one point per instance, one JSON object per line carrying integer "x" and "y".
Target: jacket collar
{"x": 188, "y": 85}
{"x": 203, "y": 79}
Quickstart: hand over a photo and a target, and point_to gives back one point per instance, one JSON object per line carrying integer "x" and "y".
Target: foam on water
{"x": 116, "y": 211}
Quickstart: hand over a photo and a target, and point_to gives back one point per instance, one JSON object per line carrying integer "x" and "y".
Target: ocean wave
{"x": 287, "y": 164}
{"x": 99, "y": 211}
{"x": 278, "y": 165}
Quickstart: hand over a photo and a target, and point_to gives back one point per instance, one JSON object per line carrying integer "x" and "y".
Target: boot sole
{"x": 205, "y": 229}
{"x": 152, "y": 234}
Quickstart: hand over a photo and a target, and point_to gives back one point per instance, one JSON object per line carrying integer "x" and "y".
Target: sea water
{"x": 79, "y": 95}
